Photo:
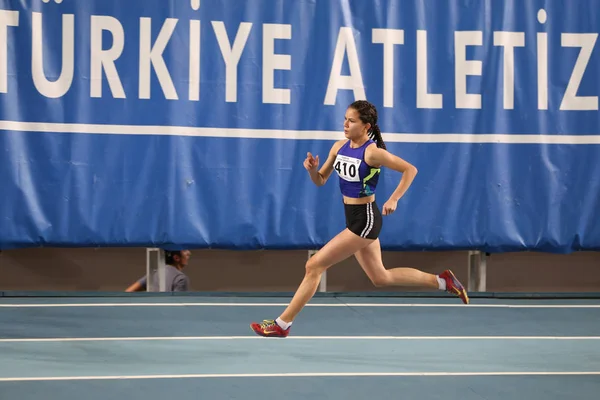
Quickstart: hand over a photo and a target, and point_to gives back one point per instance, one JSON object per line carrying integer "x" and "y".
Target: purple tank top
{"x": 357, "y": 178}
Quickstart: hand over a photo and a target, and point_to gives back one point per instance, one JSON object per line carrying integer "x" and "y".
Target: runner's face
{"x": 354, "y": 128}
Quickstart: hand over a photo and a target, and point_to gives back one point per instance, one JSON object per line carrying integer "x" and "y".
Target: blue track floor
{"x": 350, "y": 348}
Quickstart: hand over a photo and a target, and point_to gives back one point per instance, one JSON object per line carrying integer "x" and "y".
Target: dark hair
{"x": 169, "y": 254}
{"x": 368, "y": 115}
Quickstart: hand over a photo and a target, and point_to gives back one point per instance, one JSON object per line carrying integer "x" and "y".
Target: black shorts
{"x": 364, "y": 219}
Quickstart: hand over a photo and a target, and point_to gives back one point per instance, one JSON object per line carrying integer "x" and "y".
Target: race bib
{"x": 347, "y": 168}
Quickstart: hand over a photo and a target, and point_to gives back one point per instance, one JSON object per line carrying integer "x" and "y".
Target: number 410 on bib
{"x": 347, "y": 168}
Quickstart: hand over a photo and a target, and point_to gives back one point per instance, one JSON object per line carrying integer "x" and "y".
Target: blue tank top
{"x": 357, "y": 178}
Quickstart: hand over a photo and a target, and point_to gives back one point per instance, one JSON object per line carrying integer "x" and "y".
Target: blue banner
{"x": 185, "y": 123}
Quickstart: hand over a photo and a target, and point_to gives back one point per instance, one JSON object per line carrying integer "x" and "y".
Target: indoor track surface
{"x": 179, "y": 348}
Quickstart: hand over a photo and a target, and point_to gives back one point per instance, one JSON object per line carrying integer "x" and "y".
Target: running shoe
{"x": 269, "y": 328}
{"x": 454, "y": 286}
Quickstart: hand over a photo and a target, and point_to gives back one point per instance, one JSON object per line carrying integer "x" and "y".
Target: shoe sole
{"x": 260, "y": 333}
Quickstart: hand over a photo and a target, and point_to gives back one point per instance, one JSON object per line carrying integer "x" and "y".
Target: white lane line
{"x": 52, "y": 305}
{"x": 296, "y": 374}
{"x": 177, "y": 338}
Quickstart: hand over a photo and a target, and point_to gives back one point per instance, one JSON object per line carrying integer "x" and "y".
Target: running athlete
{"x": 358, "y": 160}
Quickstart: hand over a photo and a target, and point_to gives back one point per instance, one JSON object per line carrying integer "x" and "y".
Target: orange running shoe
{"x": 269, "y": 328}
{"x": 454, "y": 286}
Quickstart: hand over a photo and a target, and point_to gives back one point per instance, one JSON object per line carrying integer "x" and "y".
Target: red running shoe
{"x": 454, "y": 286}
{"x": 269, "y": 328}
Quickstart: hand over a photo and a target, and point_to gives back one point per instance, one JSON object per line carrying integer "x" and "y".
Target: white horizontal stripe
{"x": 432, "y": 305}
{"x": 296, "y": 374}
{"x": 177, "y": 338}
{"x": 292, "y": 134}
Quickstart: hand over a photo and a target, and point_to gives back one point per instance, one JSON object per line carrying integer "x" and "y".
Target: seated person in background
{"x": 175, "y": 279}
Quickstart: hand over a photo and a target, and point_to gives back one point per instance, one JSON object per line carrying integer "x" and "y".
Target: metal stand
{"x": 477, "y": 271}
{"x": 323, "y": 283}
{"x": 155, "y": 270}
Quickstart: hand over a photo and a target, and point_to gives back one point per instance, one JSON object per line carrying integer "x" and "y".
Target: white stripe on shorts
{"x": 369, "y": 225}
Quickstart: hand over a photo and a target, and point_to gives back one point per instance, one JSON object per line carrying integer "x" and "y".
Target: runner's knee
{"x": 381, "y": 280}
{"x": 314, "y": 267}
